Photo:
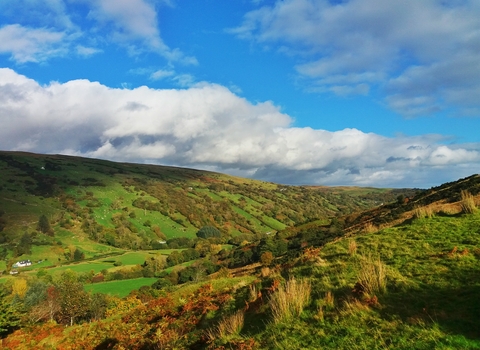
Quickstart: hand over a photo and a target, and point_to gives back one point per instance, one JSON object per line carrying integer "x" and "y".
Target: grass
{"x": 132, "y": 258}
{"x": 468, "y": 203}
{"x": 422, "y": 288}
{"x": 227, "y": 327}
{"x": 81, "y": 267}
{"x": 290, "y": 299}
{"x": 372, "y": 277}
{"x": 119, "y": 288}
{"x": 217, "y": 284}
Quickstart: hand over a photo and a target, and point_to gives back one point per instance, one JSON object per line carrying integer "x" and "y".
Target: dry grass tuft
{"x": 468, "y": 203}
{"x": 228, "y": 326}
{"x": 265, "y": 272}
{"x": 352, "y": 306}
{"x": 370, "y": 228}
{"x": 352, "y": 247}
{"x": 448, "y": 209}
{"x": 372, "y": 278}
{"x": 290, "y": 299}
{"x": 329, "y": 300}
{"x": 253, "y": 293}
{"x": 424, "y": 212}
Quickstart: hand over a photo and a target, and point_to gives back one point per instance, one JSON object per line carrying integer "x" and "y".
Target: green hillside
{"x": 100, "y": 206}
{"x": 413, "y": 286}
{"x": 151, "y": 257}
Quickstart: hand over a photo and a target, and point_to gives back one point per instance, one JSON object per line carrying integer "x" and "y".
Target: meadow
{"x": 119, "y": 288}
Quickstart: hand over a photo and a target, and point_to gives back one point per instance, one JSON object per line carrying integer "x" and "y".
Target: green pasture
{"x": 82, "y": 267}
{"x": 132, "y": 258}
{"x": 119, "y": 288}
{"x": 273, "y": 223}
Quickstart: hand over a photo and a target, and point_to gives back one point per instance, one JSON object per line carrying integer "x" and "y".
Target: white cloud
{"x": 31, "y": 45}
{"x": 87, "y": 51}
{"x": 44, "y": 29}
{"x": 161, "y": 74}
{"x": 208, "y": 126}
{"x": 404, "y": 47}
{"x": 132, "y": 21}
{"x": 184, "y": 80}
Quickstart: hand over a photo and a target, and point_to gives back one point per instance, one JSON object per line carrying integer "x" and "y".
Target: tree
{"x": 9, "y": 315}
{"x": 44, "y": 225}
{"x": 208, "y": 232}
{"x": 153, "y": 266}
{"x": 36, "y": 293}
{"x": 98, "y": 306}
{"x": 19, "y": 287}
{"x": 266, "y": 258}
{"x": 74, "y": 301}
{"x": 52, "y": 304}
{"x": 174, "y": 258}
{"x": 25, "y": 245}
{"x": 78, "y": 255}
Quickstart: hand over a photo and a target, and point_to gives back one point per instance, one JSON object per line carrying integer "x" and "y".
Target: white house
{"x": 22, "y": 263}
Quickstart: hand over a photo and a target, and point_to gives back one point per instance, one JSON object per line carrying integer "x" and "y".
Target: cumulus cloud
{"x": 208, "y": 126}
{"x": 423, "y": 55}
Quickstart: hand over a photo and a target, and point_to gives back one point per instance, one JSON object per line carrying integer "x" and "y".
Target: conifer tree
{"x": 44, "y": 224}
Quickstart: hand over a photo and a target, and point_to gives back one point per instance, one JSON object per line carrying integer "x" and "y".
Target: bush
{"x": 208, "y": 232}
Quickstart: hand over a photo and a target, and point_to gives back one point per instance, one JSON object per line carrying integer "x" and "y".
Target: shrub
{"x": 266, "y": 258}
{"x": 290, "y": 299}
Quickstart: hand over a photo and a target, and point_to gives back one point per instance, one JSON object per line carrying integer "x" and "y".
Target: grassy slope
{"x": 432, "y": 298}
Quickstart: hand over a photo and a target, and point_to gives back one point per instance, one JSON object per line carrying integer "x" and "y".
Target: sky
{"x": 303, "y": 92}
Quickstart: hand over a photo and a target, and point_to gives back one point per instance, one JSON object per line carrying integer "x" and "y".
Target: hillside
{"x": 273, "y": 266}
{"x": 133, "y": 206}
{"x": 411, "y": 286}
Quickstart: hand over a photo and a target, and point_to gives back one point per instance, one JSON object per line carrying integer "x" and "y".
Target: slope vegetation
{"x": 100, "y": 205}
{"x": 413, "y": 286}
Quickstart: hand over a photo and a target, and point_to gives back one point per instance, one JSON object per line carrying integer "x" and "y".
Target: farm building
{"x": 22, "y": 263}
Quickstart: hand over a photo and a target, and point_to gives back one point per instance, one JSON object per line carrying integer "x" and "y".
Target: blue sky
{"x": 354, "y": 92}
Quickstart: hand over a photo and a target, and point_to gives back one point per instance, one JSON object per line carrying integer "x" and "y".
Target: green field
{"x": 119, "y": 288}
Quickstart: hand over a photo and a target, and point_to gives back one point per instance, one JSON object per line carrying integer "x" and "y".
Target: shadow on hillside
{"x": 455, "y": 309}
{"x": 108, "y": 343}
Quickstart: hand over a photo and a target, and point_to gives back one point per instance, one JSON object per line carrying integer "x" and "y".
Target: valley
{"x": 154, "y": 257}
